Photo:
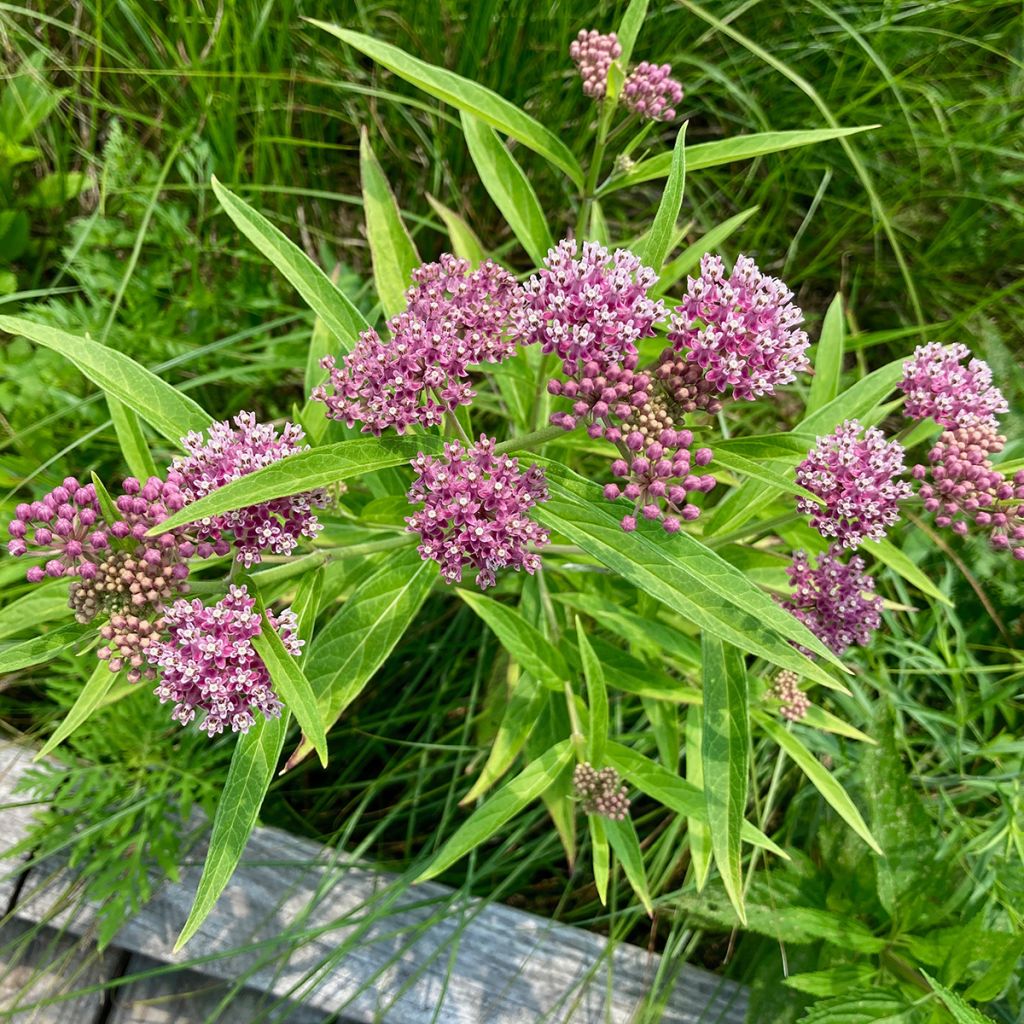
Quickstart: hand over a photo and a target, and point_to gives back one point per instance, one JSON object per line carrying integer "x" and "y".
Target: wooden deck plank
{"x": 16, "y": 811}
{"x": 46, "y": 965}
{"x": 300, "y": 922}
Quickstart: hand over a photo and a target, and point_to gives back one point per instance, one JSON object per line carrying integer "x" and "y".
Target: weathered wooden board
{"x": 15, "y": 815}
{"x": 303, "y": 924}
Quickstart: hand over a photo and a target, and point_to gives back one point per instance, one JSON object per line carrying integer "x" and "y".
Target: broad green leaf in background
{"x": 290, "y": 684}
{"x": 727, "y": 151}
{"x": 305, "y": 471}
{"x": 337, "y": 311}
{"x": 696, "y": 829}
{"x": 165, "y": 409}
{"x": 465, "y": 244}
{"x": 828, "y": 362}
{"x": 463, "y": 94}
{"x": 675, "y": 793}
{"x": 689, "y": 259}
{"x": 43, "y": 603}
{"x": 597, "y": 699}
{"x": 683, "y": 574}
{"x": 725, "y": 745}
{"x": 623, "y": 839}
{"x": 350, "y": 648}
{"x": 508, "y": 186}
{"x": 524, "y": 642}
{"x": 963, "y": 1012}
{"x": 599, "y": 854}
{"x": 868, "y": 1005}
{"x": 900, "y": 562}
{"x": 391, "y": 249}
{"x": 819, "y": 776}
{"x": 504, "y": 805}
{"x": 41, "y": 648}
{"x": 27, "y": 99}
{"x": 131, "y": 439}
{"x": 252, "y": 769}
{"x": 90, "y": 697}
{"x": 656, "y": 243}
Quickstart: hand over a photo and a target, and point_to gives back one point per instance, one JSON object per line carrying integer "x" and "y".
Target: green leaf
{"x": 524, "y": 642}
{"x": 689, "y": 259}
{"x": 465, "y": 244}
{"x": 657, "y": 242}
{"x": 165, "y": 409}
{"x": 599, "y": 855}
{"x": 828, "y": 362}
{"x": 305, "y": 471}
{"x": 675, "y": 793}
{"x": 833, "y": 981}
{"x": 819, "y": 776}
{"x": 900, "y": 563}
{"x": 43, "y": 603}
{"x": 132, "y": 441}
{"x": 697, "y": 830}
{"x": 724, "y": 749}
{"x": 392, "y": 250}
{"x": 508, "y": 186}
{"x": 54, "y": 190}
{"x": 105, "y": 501}
{"x": 727, "y": 151}
{"x": 353, "y": 645}
{"x": 306, "y": 603}
{"x": 249, "y": 777}
{"x": 290, "y": 683}
{"x": 41, "y": 648}
{"x": 597, "y": 699}
{"x": 866, "y": 1006}
{"x": 731, "y": 459}
{"x": 463, "y": 94}
{"x": 336, "y": 310}
{"x": 623, "y": 839}
{"x": 28, "y": 99}
{"x": 629, "y": 28}
{"x": 487, "y": 819}
{"x": 88, "y": 700}
{"x": 680, "y": 572}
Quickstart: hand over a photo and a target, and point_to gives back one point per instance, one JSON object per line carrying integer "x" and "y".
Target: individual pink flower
{"x": 938, "y": 385}
{"x": 208, "y": 663}
{"x": 593, "y": 54}
{"x": 856, "y": 473}
{"x": 456, "y": 317}
{"x": 742, "y": 332}
{"x": 835, "y": 601}
{"x": 963, "y": 488}
{"x": 651, "y": 91}
{"x": 475, "y": 511}
{"x": 229, "y": 453}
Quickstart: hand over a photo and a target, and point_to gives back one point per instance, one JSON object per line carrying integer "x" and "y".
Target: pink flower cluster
{"x": 475, "y": 511}
{"x": 742, "y": 332}
{"x": 937, "y": 385}
{"x": 455, "y": 318}
{"x": 835, "y": 601}
{"x": 857, "y": 478}
{"x": 229, "y": 453}
{"x": 593, "y": 54}
{"x": 208, "y": 663}
{"x": 651, "y": 91}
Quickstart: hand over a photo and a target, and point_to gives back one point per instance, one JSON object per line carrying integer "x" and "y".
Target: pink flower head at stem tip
{"x": 593, "y": 54}
{"x": 938, "y": 383}
{"x": 652, "y": 92}
{"x": 742, "y": 332}
{"x": 208, "y": 663}
{"x": 229, "y": 453}
{"x": 456, "y": 317}
{"x": 855, "y": 472}
{"x": 475, "y": 511}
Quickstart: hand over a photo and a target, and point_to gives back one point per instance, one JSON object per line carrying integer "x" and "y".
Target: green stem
{"x": 590, "y": 189}
{"x": 530, "y": 442}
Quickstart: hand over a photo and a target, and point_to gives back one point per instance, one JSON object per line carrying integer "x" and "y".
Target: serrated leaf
{"x": 597, "y": 699}
{"x": 508, "y": 186}
{"x": 305, "y": 471}
{"x": 819, "y": 777}
{"x": 867, "y": 1006}
{"x": 657, "y": 242}
{"x": 504, "y": 805}
{"x": 337, "y": 311}
{"x": 392, "y": 251}
{"x": 24, "y": 653}
{"x": 524, "y": 642}
{"x": 88, "y": 700}
{"x": 464, "y": 94}
{"x": 252, "y": 769}
{"x": 623, "y": 840}
{"x": 351, "y": 647}
{"x": 165, "y": 409}
{"x": 724, "y": 751}
{"x": 828, "y": 361}
{"x": 832, "y": 981}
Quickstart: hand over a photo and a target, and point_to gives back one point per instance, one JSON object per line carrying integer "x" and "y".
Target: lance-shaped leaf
{"x": 597, "y": 698}
{"x": 465, "y": 244}
{"x": 599, "y": 855}
{"x": 464, "y": 94}
{"x": 697, "y": 831}
{"x": 623, "y": 839}
{"x": 656, "y": 244}
{"x": 90, "y": 697}
{"x": 828, "y": 360}
{"x": 43, "y": 603}
{"x": 165, "y": 409}
{"x": 40, "y": 648}
{"x": 689, "y": 259}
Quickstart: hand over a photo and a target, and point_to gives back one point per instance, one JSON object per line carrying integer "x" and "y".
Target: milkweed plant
{"x": 554, "y": 436}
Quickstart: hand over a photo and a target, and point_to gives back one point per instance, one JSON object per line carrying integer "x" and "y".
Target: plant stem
{"x": 531, "y": 441}
{"x": 590, "y": 190}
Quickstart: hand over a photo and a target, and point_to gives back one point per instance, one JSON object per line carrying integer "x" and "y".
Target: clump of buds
{"x": 786, "y": 689}
{"x": 601, "y": 792}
